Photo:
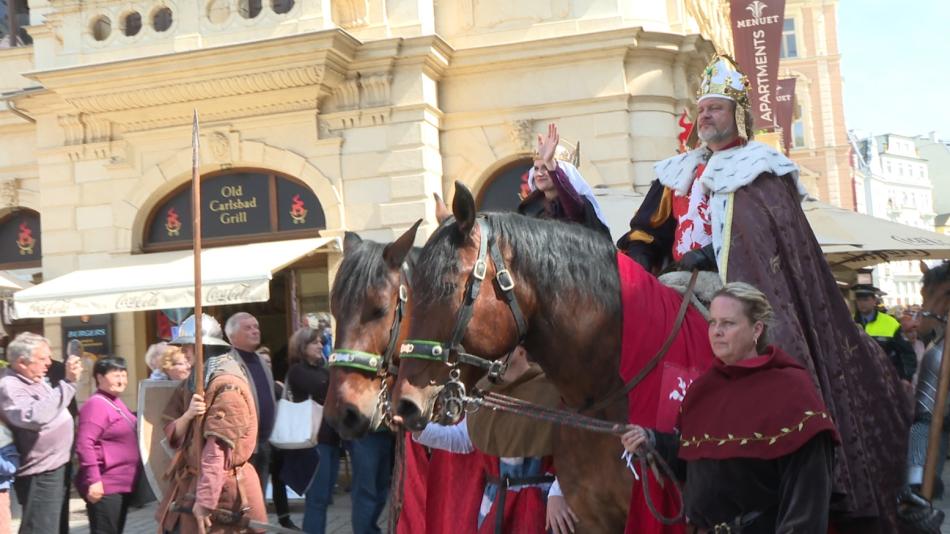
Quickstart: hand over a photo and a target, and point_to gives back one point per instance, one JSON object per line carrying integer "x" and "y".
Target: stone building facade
{"x": 893, "y": 182}
{"x": 819, "y": 136}
{"x": 371, "y": 105}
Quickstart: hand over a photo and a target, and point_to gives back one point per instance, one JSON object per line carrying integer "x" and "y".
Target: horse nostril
{"x": 411, "y": 415}
{"x": 407, "y": 409}
{"x": 351, "y": 417}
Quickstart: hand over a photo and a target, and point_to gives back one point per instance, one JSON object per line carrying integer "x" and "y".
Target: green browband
{"x": 423, "y": 349}
{"x": 354, "y": 359}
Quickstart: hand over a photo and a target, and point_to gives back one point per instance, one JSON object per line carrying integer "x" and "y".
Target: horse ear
{"x": 350, "y": 242}
{"x": 463, "y": 207}
{"x": 441, "y": 211}
{"x": 924, "y": 268}
{"x": 395, "y": 253}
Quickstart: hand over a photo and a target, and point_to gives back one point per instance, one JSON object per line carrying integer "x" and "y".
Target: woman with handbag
{"x": 309, "y": 378}
{"x": 107, "y": 449}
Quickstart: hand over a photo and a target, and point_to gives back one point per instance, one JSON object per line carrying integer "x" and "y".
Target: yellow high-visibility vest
{"x": 883, "y": 326}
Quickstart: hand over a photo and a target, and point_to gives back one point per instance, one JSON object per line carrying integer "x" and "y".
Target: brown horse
{"x": 936, "y": 301}
{"x": 567, "y": 289}
{"x": 366, "y": 302}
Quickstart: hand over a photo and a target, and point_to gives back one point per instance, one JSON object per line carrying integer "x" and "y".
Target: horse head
{"x": 462, "y": 316}
{"x": 936, "y": 300}
{"x": 367, "y": 303}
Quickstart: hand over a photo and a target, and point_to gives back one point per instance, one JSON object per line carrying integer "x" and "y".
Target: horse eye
{"x": 379, "y": 313}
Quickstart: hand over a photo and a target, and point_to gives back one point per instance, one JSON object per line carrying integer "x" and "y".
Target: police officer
{"x": 886, "y": 330}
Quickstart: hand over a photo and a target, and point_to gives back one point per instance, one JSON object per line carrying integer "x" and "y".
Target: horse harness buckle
{"x": 505, "y": 281}
{"x": 479, "y": 270}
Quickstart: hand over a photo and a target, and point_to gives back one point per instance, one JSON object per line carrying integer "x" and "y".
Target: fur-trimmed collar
{"x": 726, "y": 170}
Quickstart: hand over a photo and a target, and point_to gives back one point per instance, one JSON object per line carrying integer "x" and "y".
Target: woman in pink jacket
{"x": 107, "y": 449}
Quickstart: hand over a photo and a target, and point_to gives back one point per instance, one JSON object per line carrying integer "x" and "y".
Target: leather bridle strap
{"x": 471, "y": 292}
{"x": 372, "y": 362}
{"x": 932, "y": 315}
{"x": 355, "y": 359}
{"x": 422, "y": 349}
{"x": 507, "y": 285}
{"x": 435, "y": 351}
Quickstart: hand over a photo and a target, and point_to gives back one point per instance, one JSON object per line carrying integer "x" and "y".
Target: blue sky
{"x": 895, "y": 59}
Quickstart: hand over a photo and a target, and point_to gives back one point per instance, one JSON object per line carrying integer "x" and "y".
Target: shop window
{"x": 21, "y": 19}
{"x": 162, "y": 19}
{"x": 131, "y": 24}
{"x": 101, "y": 28}
{"x": 282, "y": 6}
{"x": 789, "y": 47}
{"x": 249, "y": 9}
{"x": 218, "y": 11}
{"x": 798, "y": 134}
{"x": 504, "y": 190}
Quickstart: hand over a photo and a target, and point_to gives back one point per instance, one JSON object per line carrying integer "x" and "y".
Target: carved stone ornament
{"x": 521, "y": 134}
{"x": 220, "y": 146}
{"x": 10, "y": 193}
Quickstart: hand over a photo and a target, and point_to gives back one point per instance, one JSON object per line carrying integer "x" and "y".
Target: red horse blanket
{"x": 649, "y": 311}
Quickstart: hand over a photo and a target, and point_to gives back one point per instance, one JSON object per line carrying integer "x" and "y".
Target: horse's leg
{"x": 595, "y": 482}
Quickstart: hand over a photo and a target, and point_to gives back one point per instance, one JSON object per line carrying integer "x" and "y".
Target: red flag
{"x": 757, "y": 34}
{"x": 687, "y": 129}
{"x": 785, "y": 109}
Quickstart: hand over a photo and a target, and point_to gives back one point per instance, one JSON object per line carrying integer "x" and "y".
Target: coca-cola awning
{"x": 229, "y": 275}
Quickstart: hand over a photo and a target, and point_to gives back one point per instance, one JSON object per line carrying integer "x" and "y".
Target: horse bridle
{"x": 453, "y": 353}
{"x": 382, "y": 365}
{"x": 935, "y": 316}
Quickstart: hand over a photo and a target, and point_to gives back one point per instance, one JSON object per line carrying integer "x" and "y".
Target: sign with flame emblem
{"x": 20, "y": 231}
{"x": 238, "y": 204}
{"x": 25, "y": 240}
{"x": 298, "y": 211}
{"x": 172, "y": 222}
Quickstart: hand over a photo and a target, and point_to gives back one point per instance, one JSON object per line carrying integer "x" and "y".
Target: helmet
{"x": 210, "y": 332}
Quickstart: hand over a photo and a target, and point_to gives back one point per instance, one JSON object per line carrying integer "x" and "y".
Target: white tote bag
{"x": 297, "y": 423}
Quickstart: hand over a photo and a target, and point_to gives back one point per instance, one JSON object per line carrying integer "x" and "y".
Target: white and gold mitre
{"x": 723, "y": 79}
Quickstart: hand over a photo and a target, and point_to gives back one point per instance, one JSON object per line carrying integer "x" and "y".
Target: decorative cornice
{"x": 189, "y": 91}
{"x": 184, "y": 117}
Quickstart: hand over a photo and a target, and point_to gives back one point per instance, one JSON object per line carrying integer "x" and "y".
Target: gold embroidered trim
{"x": 756, "y": 437}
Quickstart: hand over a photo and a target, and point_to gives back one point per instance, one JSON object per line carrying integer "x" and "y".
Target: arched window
{"x": 504, "y": 190}
{"x": 237, "y": 206}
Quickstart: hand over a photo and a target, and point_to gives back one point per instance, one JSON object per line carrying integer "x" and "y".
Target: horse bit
{"x": 383, "y": 365}
{"x": 452, "y": 395}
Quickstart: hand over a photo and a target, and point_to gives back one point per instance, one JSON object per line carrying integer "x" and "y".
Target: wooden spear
{"x": 936, "y": 422}
{"x": 196, "y": 232}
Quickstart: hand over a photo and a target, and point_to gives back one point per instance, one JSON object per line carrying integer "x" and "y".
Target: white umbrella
{"x": 854, "y": 240}
{"x": 10, "y": 283}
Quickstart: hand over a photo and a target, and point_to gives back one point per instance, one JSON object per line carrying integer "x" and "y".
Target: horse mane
{"x": 563, "y": 260}
{"x": 363, "y": 267}
{"x": 938, "y": 274}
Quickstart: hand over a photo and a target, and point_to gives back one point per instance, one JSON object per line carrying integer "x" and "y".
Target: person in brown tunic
{"x": 214, "y": 438}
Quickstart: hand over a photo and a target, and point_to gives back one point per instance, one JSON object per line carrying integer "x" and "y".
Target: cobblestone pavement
{"x": 142, "y": 521}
